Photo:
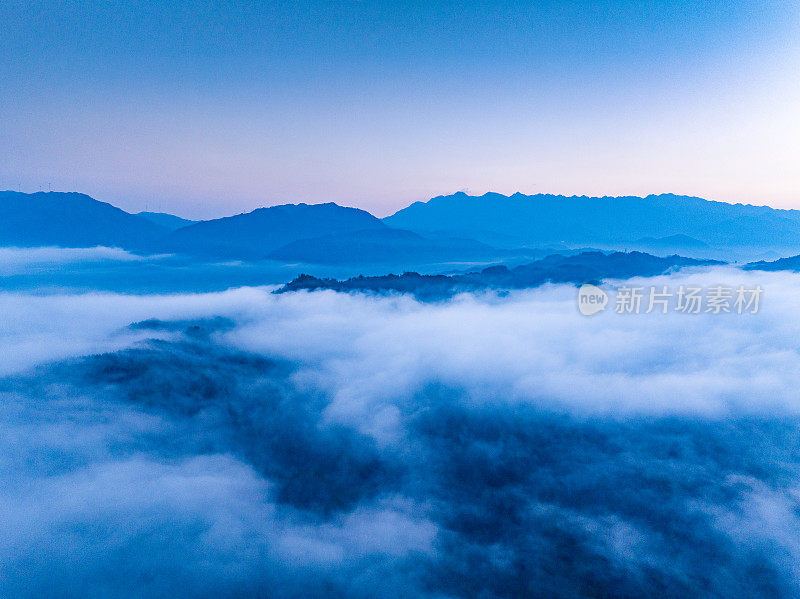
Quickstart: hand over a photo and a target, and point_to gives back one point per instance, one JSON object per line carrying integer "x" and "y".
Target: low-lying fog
{"x": 323, "y": 444}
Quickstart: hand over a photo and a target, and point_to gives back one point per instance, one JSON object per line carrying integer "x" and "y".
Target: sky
{"x": 214, "y": 108}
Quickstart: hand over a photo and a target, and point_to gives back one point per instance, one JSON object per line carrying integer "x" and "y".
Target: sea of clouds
{"x": 243, "y": 443}
{"x": 14, "y": 260}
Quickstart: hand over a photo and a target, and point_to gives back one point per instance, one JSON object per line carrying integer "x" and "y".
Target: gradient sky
{"x": 216, "y": 107}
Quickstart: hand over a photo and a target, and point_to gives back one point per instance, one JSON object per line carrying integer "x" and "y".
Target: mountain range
{"x": 535, "y": 220}
{"x": 447, "y": 229}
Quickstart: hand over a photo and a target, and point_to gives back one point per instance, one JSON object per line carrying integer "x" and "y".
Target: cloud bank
{"x": 317, "y": 444}
{"x": 15, "y": 260}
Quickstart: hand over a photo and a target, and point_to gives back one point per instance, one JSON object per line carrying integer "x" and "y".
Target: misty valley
{"x": 200, "y": 420}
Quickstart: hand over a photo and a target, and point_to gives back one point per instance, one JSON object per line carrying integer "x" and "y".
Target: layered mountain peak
{"x": 256, "y": 234}
{"x": 70, "y": 220}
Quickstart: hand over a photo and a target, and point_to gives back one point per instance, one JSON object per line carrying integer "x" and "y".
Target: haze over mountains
{"x": 385, "y": 246}
{"x": 447, "y": 229}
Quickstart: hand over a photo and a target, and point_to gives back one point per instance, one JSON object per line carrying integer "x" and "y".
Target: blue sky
{"x": 213, "y": 108}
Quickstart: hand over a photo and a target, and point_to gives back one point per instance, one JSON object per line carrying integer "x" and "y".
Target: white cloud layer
{"x": 529, "y": 346}
{"x": 433, "y": 443}
{"x": 15, "y": 260}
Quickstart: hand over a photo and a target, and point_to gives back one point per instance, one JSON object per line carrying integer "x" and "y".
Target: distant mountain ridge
{"x": 447, "y": 229}
{"x": 168, "y": 221}
{"x": 71, "y": 220}
{"x": 510, "y": 221}
{"x": 791, "y": 263}
{"x": 579, "y": 268}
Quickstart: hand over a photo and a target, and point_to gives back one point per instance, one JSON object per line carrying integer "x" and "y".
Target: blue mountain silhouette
{"x": 512, "y": 221}
{"x": 444, "y": 229}
{"x": 168, "y": 221}
{"x": 70, "y": 220}
{"x": 256, "y": 234}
